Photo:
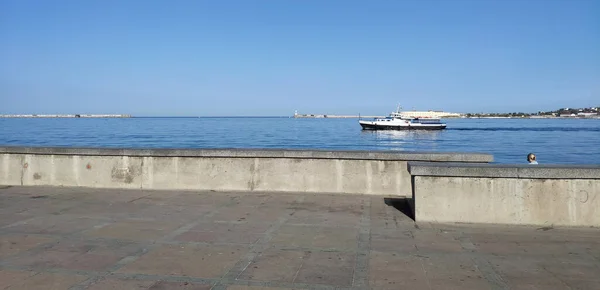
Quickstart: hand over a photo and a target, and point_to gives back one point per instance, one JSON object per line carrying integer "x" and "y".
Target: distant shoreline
{"x": 65, "y": 116}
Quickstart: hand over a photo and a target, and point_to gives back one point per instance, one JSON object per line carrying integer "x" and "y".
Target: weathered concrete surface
{"x": 536, "y": 195}
{"x": 570, "y": 202}
{"x": 83, "y": 238}
{"x": 558, "y": 171}
{"x": 258, "y": 153}
{"x": 361, "y": 172}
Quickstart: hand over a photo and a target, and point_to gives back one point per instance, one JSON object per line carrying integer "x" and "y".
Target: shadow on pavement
{"x": 402, "y": 204}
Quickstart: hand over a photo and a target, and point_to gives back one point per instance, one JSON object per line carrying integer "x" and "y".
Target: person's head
{"x": 530, "y": 157}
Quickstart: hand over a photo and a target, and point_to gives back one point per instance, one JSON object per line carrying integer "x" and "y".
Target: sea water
{"x": 554, "y": 141}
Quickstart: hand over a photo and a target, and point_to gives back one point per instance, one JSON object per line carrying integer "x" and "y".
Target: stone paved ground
{"x": 70, "y": 238}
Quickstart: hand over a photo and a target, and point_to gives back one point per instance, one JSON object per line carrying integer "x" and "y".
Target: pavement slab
{"x": 83, "y": 238}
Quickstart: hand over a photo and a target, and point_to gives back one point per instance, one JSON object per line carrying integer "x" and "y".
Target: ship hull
{"x": 375, "y": 126}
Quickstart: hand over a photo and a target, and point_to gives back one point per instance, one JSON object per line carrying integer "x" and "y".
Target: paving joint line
{"x": 95, "y": 276}
{"x": 42, "y": 247}
{"x": 360, "y": 278}
{"x": 149, "y": 246}
{"x": 255, "y": 250}
{"x": 50, "y": 270}
{"x": 86, "y": 283}
{"x": 278, "y": 284}
{"x": 482, "y": 264}
{"x": 102, "y": 274}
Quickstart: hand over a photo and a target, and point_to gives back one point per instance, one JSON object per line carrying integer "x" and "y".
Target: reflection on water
{"x": 405, "y": 134}
{"x": 396, "y": 139}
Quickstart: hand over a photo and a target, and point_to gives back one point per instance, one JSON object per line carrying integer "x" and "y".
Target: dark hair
{"x": 530, "y": 156}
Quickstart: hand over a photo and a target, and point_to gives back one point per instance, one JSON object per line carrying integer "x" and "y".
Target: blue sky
{"x": 258, "y": 57}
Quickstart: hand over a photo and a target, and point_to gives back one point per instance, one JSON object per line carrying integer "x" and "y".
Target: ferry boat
{"x": 398, "y": 121}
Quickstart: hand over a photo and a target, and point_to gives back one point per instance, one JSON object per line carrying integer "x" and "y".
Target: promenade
{"x": 81, "y": 238}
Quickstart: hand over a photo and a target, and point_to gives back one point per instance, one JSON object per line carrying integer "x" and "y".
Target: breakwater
{"x": 66, "y": 116}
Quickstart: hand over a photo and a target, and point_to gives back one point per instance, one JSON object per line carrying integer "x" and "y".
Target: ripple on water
{"x": 509, "y": 140}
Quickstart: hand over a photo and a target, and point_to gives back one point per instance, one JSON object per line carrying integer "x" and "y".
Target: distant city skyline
{"x": 271, "y": 58}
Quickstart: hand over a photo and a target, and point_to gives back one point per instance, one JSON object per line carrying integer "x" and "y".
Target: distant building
{"x": 567, "y": 115}
{"x": 430, "y": 114}
{"x": 586, "y": 115}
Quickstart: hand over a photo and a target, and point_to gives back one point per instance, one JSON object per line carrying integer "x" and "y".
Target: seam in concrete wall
{"x": 339, "y": 175}
{"x": 22, "y": 168}
{"x": 142, "y": 173}
{"x": 253, "y": 175}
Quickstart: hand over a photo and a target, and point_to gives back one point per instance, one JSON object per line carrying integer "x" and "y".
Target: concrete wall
{"x": 506, "y": 194}
{"x": 363, "y": 172}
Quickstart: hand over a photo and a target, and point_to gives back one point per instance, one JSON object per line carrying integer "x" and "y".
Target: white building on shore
{"x": 430, "y": 114}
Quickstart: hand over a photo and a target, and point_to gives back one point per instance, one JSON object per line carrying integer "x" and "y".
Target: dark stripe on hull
{"x": 381, "y": 127}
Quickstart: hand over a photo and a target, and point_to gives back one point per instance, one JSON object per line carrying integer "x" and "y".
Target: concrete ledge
{"x": 524, "y": 171}
{"x": 255, "y": 153}
{"x": 360, "y": 172}
{"x": 565, "y": 195}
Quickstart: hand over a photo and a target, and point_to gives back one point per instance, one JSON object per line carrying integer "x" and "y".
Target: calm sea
{"x": 509, "y": 140}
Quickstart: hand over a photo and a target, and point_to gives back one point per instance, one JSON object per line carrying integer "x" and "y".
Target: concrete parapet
{"x": 258, "y": 153}
{"x": 506, "y": 194}
{"x": 361, "y": 172}
{"x": 505, "y": 170}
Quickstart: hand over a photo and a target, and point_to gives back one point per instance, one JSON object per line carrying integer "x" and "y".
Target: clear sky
{"x": 244, "y": 57}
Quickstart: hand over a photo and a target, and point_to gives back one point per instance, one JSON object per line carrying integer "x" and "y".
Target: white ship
{"x": 399, "y": 121}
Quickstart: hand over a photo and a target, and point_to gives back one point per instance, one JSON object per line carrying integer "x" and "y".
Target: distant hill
{"x": 556, "y": 113}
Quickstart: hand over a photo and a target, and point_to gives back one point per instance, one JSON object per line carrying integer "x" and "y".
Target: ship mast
{"x": 398, "y": 108}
